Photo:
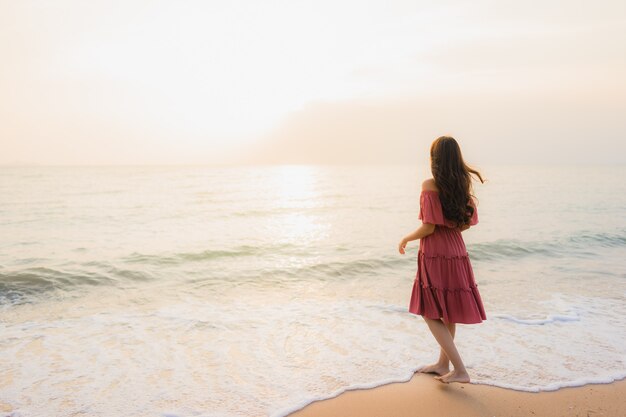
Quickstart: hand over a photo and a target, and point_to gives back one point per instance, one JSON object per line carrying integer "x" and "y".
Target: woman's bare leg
{"x": 442, "y": 366}
{"x": 445, "y": 340}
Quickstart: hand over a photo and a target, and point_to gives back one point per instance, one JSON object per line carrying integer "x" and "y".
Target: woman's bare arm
{"x": 424, "y": 230}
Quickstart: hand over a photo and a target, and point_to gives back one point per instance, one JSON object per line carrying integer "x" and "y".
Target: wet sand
{"x": 423, "y": 396}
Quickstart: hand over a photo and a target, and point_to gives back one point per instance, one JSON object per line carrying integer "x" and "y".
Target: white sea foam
{"x": 245, "y": 357}
{"x": 551, "y": 318}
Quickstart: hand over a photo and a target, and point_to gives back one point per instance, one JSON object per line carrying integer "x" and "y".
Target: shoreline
{"x": 423, "y": 396}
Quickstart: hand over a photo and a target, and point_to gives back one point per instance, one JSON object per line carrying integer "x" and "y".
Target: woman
{"x": 444, "y": 291}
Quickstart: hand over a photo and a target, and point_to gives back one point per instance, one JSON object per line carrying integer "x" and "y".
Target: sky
{"x": 305, "y": 82}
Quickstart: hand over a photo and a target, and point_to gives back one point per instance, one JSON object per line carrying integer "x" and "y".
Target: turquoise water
{"x": 251, "y": 291}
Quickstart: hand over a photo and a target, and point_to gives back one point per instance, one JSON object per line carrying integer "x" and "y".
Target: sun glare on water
{"x": 295, "y": 198}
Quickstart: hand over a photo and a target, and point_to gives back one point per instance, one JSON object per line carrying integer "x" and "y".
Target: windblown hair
{"x": 453, "y": 178}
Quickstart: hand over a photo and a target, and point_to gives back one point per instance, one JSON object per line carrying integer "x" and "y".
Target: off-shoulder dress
{"x": 444, "y": 286}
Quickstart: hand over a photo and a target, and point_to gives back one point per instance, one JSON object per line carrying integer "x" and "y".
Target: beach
{"x": 423, "y": 396}
{"x": 254, "y": 291}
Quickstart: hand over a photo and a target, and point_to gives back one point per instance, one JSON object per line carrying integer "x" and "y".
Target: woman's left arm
{"x": 424, "y": 230}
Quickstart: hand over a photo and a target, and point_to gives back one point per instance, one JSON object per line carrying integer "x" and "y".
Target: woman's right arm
{"x": 424, "y": 230}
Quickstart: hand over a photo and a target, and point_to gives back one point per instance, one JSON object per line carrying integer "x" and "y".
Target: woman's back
{"x": 447, "y": 240}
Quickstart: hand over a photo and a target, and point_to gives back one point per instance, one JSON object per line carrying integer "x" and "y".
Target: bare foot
{"x": 454, "y": 376}
{"x": 435, "y": 368}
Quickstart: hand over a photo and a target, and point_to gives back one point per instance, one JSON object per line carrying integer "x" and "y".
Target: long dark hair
{"x": 453, "y": 178}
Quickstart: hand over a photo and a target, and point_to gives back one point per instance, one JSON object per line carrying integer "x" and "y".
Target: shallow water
{"x": 195, "y": 291}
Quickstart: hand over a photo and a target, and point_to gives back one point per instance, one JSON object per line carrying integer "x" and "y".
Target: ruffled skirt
{"x": 444, "y": 288}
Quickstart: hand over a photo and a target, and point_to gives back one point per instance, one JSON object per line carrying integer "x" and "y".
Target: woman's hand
{"x": 401, "y": 246}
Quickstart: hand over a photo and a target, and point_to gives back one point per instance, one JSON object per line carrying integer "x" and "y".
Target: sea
{"x": 178, "y": 291}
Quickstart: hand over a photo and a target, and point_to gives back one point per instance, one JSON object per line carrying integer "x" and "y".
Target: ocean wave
{"x": 26, "y": 284}
{"x": 208, "y": 254}
{"x": 552, "y": 318}
{"x": 28, "y": 280}
{"x": 574, "y": 245}
{"x": 341, "y": 268}
{"x": 583, "y": 244}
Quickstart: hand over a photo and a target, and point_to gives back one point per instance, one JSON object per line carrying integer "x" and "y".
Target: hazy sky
{"x": 176, "y": 82}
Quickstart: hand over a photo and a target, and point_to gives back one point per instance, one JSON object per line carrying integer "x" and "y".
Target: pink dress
{"x": 444, "y": 287}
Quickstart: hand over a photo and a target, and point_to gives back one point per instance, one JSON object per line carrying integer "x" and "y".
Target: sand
{"x": 423, "y": 396}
